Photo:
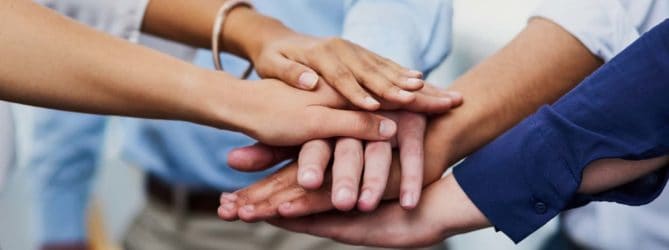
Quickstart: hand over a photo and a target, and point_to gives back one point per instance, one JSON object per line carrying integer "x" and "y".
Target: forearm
{"x": 541, "y": 64}
{"x": 51, "y": 61}
{"x": 602, "y": 175}
{"x": 191, "y": 22}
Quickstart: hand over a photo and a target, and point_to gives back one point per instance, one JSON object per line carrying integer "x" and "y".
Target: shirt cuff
{"x": 515, "y": 183}
{"x": 603, "y": 26}
{"x": 530, "y": 174}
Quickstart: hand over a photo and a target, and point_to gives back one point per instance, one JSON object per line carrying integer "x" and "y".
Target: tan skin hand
{"x": 348, "y": 171}
{"x": 277, "y": 114}
{"x": 364, "y": 78}
{"x": 352, "y": 70}
{"x": 392, "y": 226}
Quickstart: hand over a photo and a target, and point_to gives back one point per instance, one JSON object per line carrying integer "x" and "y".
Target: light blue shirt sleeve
{"x": 64, "y": 161}
{"x": 415, "y": 34}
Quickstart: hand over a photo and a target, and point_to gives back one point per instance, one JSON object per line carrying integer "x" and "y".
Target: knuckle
{"x": 277, "y": 181}
{"x": 413, "y": 150}
{"x": 350, "y": 150}
{"x": 344, "y": 181}
{"x": 341, "y": 75}
{"x": 374, "y": 183}
{"x": 311, "y": 123}
{"x": 376, "y": 147}
{"x": 333, "y": 42}
{"x": 411, "y": 180}
{"x": 369, "y": 67}
{"x": 389, "y": 92}
{"x": 292, "y": 68}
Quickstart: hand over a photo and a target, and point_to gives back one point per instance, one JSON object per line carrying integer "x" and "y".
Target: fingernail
{"x": 308, "y": 80}
{"x": 228, "y": 206}
{"x": 229, "y": 196}
{"x": 414, "y": 81}
{"x": 343, "y": 195}
{"x": 408, "y": 200}
{"x": 366, "y": 196}
{"x": 454, "y": 95}
{"x": 371, "y": 101}
{"x": 447, "y": 101}
{"x": 387, "y": 128}
{"x": 405, "y": 94}
{"x": 308, "y": 176}
{"x": 249, "y": 208}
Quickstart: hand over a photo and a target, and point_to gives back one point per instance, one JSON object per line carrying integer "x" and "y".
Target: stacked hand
{"x": 374, "y": 155}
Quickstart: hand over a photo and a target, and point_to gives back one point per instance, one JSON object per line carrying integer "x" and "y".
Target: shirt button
{"x": 540, "y": 207}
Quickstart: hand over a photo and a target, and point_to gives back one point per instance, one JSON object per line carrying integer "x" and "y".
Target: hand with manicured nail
{"x": 363, "y": 77}
{"x": 276, "y": 114}
{"x": 360, "y": 169}
{"x": 355, "y": 162}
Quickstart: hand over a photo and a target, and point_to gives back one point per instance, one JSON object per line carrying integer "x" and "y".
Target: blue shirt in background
{"x": 68, "y": 146}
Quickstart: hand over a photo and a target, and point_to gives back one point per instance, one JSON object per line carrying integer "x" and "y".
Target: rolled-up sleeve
{"x": 605, "y": 27}
{"x": 415, "y": 34}
{"x": 532, "y": 172}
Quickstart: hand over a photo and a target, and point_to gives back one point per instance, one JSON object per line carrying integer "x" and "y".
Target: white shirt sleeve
{"x": 120, "y": 18}
{"x": 605, "y": 27}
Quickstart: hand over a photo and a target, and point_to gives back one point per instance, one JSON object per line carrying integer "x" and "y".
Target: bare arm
{"x": 297, "y": 59}
{"x": 48, "y": 60}
{"x": 54, "y": 62}
{"x": 541, "y": 64}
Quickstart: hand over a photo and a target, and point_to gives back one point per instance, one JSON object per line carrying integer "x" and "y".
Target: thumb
{"x": 258, "y": 157}
{"x": 291, "y": 72}
{"x": 356, "y": 124}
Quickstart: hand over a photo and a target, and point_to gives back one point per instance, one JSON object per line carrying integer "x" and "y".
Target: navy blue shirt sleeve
{"x": 532, "y": 172}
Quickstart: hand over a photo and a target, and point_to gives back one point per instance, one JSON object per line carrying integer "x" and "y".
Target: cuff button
{"x": 540, "y": 207}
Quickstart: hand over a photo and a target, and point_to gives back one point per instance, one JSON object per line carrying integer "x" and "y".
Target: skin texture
{"x": 126, "y": 81}
{"x": 361, "y": 76}
{"x": 349, "y": 178}
{"x": 392, "y": 226}
{"x": 541, "y": 64}
{"x": 135, "y": 87}
{"x": 428, "y": 224}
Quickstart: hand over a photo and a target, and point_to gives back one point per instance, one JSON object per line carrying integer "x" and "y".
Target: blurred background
{"x": 481, "y": 27}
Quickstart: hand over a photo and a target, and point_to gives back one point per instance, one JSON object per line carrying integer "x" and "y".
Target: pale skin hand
{"x": 349, "y": 160}
{"x": 352, "y": 167}
{"x": 391, "y": 226}
{"x": 299, "y": 60}
{"x": 542, "y": 63}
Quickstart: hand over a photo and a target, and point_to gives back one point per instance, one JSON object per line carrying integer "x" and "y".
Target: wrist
{"x": 217, "y": 100}
{"x": 463, "y": 215}
{"x": 246, "y": 32}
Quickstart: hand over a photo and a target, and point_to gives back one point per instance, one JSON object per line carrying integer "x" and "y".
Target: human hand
{"x": 444, "y": 211}
{"x": 363, "y": 77}
{"x": 276, "y": 114}
{"x": 348, "y": 167}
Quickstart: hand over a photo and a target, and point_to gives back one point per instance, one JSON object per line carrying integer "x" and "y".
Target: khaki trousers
{"x": 157, "y": 228}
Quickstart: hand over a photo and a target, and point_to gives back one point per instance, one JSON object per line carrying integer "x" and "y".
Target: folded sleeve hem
{"x": 514, "y": 181}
